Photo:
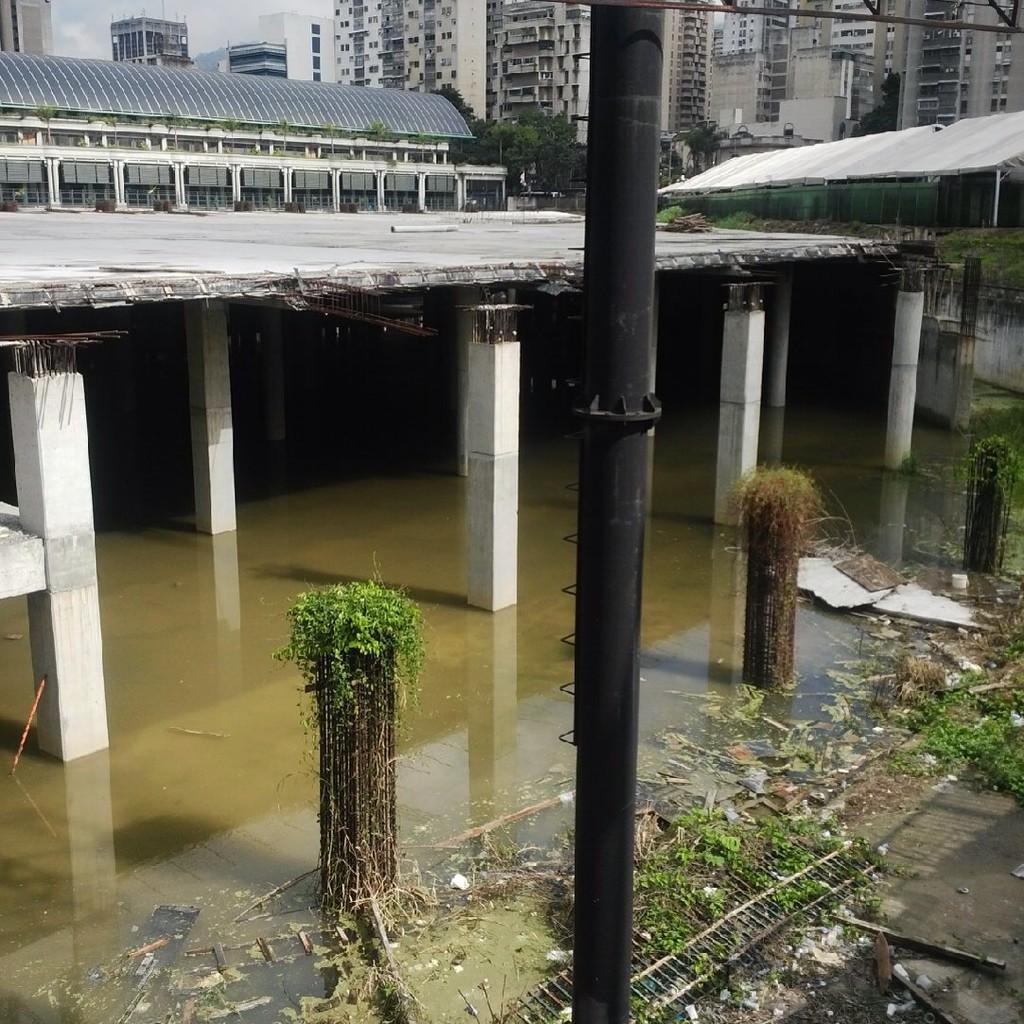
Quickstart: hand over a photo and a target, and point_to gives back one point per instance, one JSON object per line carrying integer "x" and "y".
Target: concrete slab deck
{"x": 21, "y": 557}
{"x": 85, "y": 258}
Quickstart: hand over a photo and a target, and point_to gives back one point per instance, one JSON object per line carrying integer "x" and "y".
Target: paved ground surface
{"x": 960, "y": 838}
{"x": 84, "y": 258}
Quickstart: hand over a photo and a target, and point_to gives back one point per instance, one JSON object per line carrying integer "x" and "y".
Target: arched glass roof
{"x": 97, "y": 87}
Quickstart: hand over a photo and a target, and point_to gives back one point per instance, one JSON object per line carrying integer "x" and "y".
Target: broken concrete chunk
{"x": 914, "y": 602}
{"x": 820, "y": 578}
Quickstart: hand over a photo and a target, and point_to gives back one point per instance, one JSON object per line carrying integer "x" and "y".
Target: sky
{"x": 81, "y": 28}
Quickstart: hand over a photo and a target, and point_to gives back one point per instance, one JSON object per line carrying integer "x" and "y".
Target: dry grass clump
{"x": 917, "y": 679}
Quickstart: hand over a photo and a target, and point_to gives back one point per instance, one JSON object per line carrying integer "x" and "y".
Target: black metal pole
{"x": 617, "y": 411}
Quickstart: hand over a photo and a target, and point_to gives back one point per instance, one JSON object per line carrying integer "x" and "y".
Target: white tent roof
{"x": 971, "y": 145}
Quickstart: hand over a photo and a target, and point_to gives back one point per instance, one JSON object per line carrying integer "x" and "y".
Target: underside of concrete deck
{"x": 93, "y": 259}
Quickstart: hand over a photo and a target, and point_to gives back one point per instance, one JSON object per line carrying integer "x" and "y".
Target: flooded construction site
{"x": 208, "y": 792}
{"x": 251, "y": 437}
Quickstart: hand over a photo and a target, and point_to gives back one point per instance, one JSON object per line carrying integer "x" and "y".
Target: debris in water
{"x": 1018, "y": 872}
{"x": 819, "y": 577}
{"x": 755, "y": 782}
{"x": 558, "y": 956}
{"x": 460, "y": 882}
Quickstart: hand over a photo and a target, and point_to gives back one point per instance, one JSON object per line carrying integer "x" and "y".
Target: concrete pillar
{"x": 288, "y": 179}
{"x": 209, "y": 378}
{"x": 773, "y": 431}
{"x": 493, "y": 491}
{"x": 336, "y": 191}
{"x": 778, "y": 350}
{"x": 236, "y": 183}
{"x": 740, "y": 410}
{"x": 381, "y": 202}
{"x": 460, "y": 191}
{"x": 465, "y": 299}
{"x": 421, "y": 188}
{"x": 53, "y": 178}
{"x": 51, "y": 453}
{"x": 903, "y": 378}
{"x": 120, "y": 196}
{"x": 272, "y": 357}
{"x": 180, "y": 193}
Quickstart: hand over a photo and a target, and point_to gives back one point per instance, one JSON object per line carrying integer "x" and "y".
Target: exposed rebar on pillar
{"x": 617, "y": 410}
{"x": 992, "y": 472}
{"x": 776, "y": 508}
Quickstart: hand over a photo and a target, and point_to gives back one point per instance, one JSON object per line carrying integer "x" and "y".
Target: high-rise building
{"x": 542, "y": 51}
{"x": 686, "y": 74}
{"x": 26, "y": 26}
{"x": 750, "y": 33}
{"x": 265, "y": 60}
{"x": 415, "y": 44}
{"x": 153, "y": 41}
{"x": 308, "y": 43}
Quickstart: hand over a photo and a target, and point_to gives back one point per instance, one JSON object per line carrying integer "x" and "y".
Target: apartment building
{"x": 542, "y": 52}
{"x": 418, "y": 45}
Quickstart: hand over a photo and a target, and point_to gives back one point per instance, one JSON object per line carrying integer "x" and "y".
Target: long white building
{"x": 126, "y": 136}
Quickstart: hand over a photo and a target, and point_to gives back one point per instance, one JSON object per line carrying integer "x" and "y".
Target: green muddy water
{"x": 190, "y": 624}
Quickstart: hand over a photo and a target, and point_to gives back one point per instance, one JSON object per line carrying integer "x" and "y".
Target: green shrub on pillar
{"x": 359, "y": 646}
{"x": 777, "y": 509}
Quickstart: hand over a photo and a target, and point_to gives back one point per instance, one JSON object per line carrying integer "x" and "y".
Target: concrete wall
{"x": 945, "y": 378}
{"x": 999, "y": 354}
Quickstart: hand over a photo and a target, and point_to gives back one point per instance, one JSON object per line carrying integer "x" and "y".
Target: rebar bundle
{"x": 777, "y": 506}
{"x": 991, "y": 479}
{"x": 359, "y": 647}
{"x": 358, "y": 851}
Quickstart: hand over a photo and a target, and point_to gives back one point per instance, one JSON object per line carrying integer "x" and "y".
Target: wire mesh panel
{"x": 668, "y": 983}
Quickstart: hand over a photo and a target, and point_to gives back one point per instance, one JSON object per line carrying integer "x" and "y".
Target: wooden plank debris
{"x": 870, "y": 573}
{"x": 507, "y": 819}
{"x": 307, "y": 943}
{"x": 957, "y": 956}
{"x": 276, "y": 891}
{"x": 265, "y": 949}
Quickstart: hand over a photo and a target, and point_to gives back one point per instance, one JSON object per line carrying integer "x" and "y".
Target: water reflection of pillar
{"x": 726, "y": 609}
{"x": 222, "y": 616}
{"x": 90, "y": 824}
{"x": 493, "y": 717}
{"x": 93, "y": 875}
{"x": 773, "y": 426}
{"x": 892, "y": 517}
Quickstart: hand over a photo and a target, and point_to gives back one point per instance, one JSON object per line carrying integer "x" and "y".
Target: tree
{"x": 458, "y": 101}
{"x": 702, "y": 142}
{"x": 46, "y": 114}
{"x": 884, "y": 117}
{"x": 539, "y": 150}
